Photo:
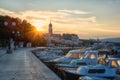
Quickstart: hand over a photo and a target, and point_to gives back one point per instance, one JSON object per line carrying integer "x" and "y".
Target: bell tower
{"x": 50, "y": 29}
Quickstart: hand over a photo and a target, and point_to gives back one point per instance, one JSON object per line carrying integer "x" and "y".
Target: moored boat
{"x": 106, "y": 68}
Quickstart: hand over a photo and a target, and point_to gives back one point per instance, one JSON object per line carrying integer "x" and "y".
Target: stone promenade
{"x": 23, "y": 65}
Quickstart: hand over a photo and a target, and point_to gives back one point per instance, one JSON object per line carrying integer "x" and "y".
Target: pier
{"x": 23, "y": 65}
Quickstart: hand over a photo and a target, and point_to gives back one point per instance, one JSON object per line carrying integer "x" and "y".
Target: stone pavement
{"x": 23, "y": 65}
{"x": 2, "y": 52}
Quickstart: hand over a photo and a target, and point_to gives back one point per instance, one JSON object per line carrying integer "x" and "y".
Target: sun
{"x": 38, "y": 25}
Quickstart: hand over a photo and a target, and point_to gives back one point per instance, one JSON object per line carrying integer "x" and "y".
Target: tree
{"x": 28, "y": 33}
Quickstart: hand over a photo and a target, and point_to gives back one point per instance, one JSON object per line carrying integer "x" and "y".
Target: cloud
{"x": 10, "y": 13}
{"x": 108, "y": 30}
{"x": 74, "y": 11}
{"x": 71, "y": 20}
{"x": 60, "y": 19}
{"x": 35, "y": 18}
{"x": 59, "y": 16}
{"x": 66, "y": 22}
{"x": 4, "y": 11}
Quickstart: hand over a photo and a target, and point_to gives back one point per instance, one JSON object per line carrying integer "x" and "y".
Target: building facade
{"x": 61, "y": 39}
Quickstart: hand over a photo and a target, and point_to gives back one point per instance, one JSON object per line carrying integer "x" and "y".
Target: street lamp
{"x": 9, "y": 43}
{"x": 16, "y": 35}
{"x": 9, "y": 50}
{"x": 14, "y": 23}
{"x": 5, "y": 23}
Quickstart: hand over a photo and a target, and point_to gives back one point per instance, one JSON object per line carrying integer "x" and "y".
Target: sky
{"x": 87, "y": 18}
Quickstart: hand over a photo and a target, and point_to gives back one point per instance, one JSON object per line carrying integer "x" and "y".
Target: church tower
{"x": 50, "y": 29}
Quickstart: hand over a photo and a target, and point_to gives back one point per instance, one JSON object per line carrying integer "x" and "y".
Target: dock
{"x": 23, "y": 65}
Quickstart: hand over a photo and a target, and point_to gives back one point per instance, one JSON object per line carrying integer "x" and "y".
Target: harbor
{"x": 97, "y": 64}
{"x": 59, "y": 40}
{"x": 59, "y": 63}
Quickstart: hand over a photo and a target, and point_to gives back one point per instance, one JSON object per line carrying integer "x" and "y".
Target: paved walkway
{"x": 2, "y": 52}
{"x": 22, "y": 65}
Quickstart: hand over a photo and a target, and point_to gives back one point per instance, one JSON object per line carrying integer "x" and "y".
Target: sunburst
{"x": 38, "y": 25}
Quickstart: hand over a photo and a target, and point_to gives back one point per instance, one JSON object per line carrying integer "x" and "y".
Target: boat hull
{"x": 70, "y": 76}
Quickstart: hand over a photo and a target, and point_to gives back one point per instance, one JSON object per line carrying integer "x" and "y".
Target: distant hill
{"x": 112, "y": 39}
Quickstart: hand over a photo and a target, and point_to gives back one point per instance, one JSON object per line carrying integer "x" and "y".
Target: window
{"x": 118, "y": 62}
{"x": 114, "y": 64}
{"x": 68, "y": 54}
{"x": 92, "y": 56}
{"x": 80, "y": 55}
{"x": 75, "y": 56}
{"x": 106, "y": 62}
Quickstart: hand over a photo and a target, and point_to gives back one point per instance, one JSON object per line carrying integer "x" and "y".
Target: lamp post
{"x": 9, "y": 39}
{"x": 16, "y": 35}
{"x": 9, "y": 45}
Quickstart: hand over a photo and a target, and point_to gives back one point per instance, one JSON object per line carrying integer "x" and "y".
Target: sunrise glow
{"x": 88, "y": 19}
{"x": 38, "y": 25}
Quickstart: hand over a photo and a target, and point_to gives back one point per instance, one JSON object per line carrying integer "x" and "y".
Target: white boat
{"x": 89, "y": 58}
{"x": 49, "y": 54}
{"x": 106, "y": 68}
{"x": 72, "y": 54}
{"x": 42, "y": 53}
{"x": 49, "y": 57}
